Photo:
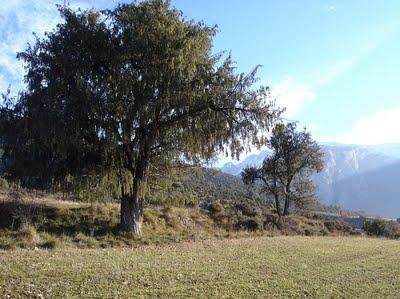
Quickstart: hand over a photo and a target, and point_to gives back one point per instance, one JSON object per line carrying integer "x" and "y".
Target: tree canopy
{"x": 124, "y": 89}
{"x": 285, "y": 173}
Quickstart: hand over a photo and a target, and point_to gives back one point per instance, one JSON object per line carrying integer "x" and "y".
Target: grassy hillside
{"x": 193, "y": 186}
{"x": 183, "y": 186}
{"x": 280, "y": 267}
{"x": 42, "y": 222}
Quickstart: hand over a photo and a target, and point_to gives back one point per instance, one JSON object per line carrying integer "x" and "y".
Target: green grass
{"x": 278, "y": 267}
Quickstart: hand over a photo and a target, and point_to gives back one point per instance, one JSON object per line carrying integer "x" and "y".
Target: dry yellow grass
{"x": 45, "y": 201}
{"x": 279, "y": 267}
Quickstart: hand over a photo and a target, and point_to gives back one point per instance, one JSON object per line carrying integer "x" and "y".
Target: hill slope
{"x": 192, "y": 186}
{"x": 356, "y": 177}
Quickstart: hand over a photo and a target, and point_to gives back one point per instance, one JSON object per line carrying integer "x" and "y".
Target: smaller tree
{"x": 375, "y": 227}
{"x": 286, "y": 173}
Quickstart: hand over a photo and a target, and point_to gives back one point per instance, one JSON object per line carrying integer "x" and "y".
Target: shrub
{"x": 308, "y": 232}
{"x": 338, "y": 226}
{"x": 84, "y": 241}
{"x": 7, "y": 242}
{"x": 396, "y": 231}
{"x": 4, "y": 186}
{"x": 29, "y": 236}
{"x": 224, "y": 220}
{"x": 51, "y": 243}
{"x": 172, "y": 220}
{"x": 250, "y": 224}
{"x": 18, "y": 211}
{"x": 247, "y": 209}
{"x": 177, "y": 185}
{"x": 215, "y": 207}
{"x": 377, "y": 227}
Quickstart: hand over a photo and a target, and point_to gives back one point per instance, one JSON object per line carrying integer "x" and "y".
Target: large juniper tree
{"x": 285, "y": 173}
{"x": 118, "y": 90}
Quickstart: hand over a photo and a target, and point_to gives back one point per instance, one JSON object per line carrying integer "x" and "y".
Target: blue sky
{"x": 334, "y": 64}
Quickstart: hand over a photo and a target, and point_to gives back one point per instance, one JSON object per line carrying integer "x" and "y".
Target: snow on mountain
{"x": 354, "y": 176}
{"x": 251, "y": 160}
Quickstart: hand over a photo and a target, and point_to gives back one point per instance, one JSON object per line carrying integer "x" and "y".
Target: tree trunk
{"x": 286, "y": 210}
{"x": 132, "y": 203}
{"x": 278, "y": 206}
{"x": 132, "y": 214}
{"x": 279, "y": 223}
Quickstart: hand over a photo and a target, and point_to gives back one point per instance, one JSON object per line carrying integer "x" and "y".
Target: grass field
{"x": 278, "y": 267}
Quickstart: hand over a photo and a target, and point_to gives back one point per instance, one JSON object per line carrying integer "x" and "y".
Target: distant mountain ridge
{"x": 354, "y": 176}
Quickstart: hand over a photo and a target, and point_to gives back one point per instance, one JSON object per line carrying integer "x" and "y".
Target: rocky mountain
{"x": 252, "y": 160}
{"x": 354, "y": 177}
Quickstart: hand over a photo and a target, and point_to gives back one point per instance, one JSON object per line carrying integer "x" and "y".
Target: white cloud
{"x": 292, "y": 95}
{"x": 379, "y": 128}
{"x": 18, "y": 20}
{"x": 330, "y": 7}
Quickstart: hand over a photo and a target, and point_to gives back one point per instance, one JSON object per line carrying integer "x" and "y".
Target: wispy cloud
{"x": 330, "y": 7}
{"x": 294, "y": 92}
{"x": 292, "y": 95}
{"x": 18, "y": 20}
{"x": 378, "y": 128}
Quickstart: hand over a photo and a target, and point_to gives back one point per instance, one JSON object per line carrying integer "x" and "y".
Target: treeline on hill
{"x": 183, "y": 186}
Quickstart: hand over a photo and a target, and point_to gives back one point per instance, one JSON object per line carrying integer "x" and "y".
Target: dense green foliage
{"x": 4, "y": 186}
{"x": 285, "y": 174}
{"x": 196, "y": 186}
{"x": 376, "y": 227}
{"x": 178, "y": 187}
{"x": 123, "y": 91}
